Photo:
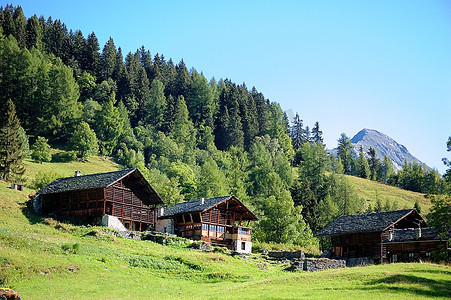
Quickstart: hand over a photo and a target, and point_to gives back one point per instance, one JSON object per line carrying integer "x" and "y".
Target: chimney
{"x": 77, "y": 173}
{"x": 418, "y": 232}
{"x": 202, "y": 200}
{"x": 390, "y": 235}
{"x": 161, "y": 212}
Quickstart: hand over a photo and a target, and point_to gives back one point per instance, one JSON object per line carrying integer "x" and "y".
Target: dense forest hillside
{"x": 64, "y": 98}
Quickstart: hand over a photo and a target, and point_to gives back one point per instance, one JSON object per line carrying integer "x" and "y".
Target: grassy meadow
{"x": 373, "y": 190}
{"x": 44, "y": 259}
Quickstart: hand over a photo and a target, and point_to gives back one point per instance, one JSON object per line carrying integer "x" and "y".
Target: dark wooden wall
{"x": 126, "y": 199}
{"x": 366, "y": 244}
{"x": 84, "y": 203}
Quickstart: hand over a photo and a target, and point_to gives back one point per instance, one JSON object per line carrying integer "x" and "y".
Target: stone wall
{"x": 316, "y": 264}
{"x": 359, "y": 261}
{"x": 286, "y": 255}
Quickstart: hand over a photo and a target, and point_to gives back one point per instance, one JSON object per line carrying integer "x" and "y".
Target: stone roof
{"x": 372, "y": 222}
{"x": 408, "y": 235}
{"x": 198, "y": 206}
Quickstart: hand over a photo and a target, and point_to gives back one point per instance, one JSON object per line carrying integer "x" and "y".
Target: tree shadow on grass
{"x": 445, "y": 272}
{"x": 30, "y": 214}
{"x": 412, "y": 284}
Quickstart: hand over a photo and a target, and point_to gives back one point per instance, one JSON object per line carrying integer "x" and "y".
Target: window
{"x": 212, "y": 227}
{"x": 205, "y": 226}
{"x": 243, "y": 245}
{"x": 221, "y": 228}
{"x": 243, "y": 230}
{"x": 395, "y": 257}
{"x": 428, "y": 254}
{"x": 411, "y": 255}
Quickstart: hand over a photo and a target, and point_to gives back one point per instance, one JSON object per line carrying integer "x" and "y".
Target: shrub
{"x": 40, "y": 151}
{"x": 222, "y": 250}
{"x": 43, "y": 179}
{"x": 66, "y": 156}
{"x": 70, "y": 248}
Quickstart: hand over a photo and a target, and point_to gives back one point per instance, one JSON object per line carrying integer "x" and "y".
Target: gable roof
{"x": 197, "y": 206}
{"x": 372, "y": 222}
{"x": 93, "y": 181}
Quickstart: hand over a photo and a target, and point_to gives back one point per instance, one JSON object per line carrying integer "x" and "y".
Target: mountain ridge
{"x": 384, "y": 145}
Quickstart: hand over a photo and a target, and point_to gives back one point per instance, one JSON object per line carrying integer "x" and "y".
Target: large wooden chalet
{"x": 391, "y": 236}
{"x": 219, "y": 221}
{"x": 123, "y": 194}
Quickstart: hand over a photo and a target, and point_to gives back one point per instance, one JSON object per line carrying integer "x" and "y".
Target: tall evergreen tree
{"x": 109, "y": 126}
{"x": 155, "y": 105}
{"x": 345, "y": 153}
{"x": 201, "y": 105}
{"x": 34, "y": 33}
{"x": 388, "y": 173}
{"x": 11, "y": 144}
{"x": 20, "y": 23}
{"x": 296, "y": 132}
{"x": 363, "y": 166}
{"x": 108, "y": 60}
{"x": 317, "y": 134}
{"x": 92, "y": 54}
{"x": 183, "y": 132}
{"x": 373, "y": 162}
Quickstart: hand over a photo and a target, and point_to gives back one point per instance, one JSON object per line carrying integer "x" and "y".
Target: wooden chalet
{"x": 413, "y": 244}
{"x": 221, "y": 221}
{"x": 123, "y": 194}
{"x": 400, "y": 235}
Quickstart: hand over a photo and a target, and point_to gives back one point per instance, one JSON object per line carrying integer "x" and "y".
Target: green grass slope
{"x": 43, "y": 259}
{"x": 372, "y": 190}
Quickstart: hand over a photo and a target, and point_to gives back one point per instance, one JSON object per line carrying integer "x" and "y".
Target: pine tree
{"x": 183, "y": 132}
{"x": 388, "y": 173}
{"x": 92, "y": 54}
{"x": 155, "y": 105}
{"x": 344, "y": 152}
{"x": 317, "y": 134}
{"x": 373, "y": 162}
{"x": 296, "y": 132}
{"x": 109, "y": 126}
{"x": 20, "y": 27}
{"x": 201, "y": 104}
{"x": 11, "y": 145}
{"x": 34, "y": 33}
{"x": 108, "y": 60}
{"x": 363, "y": 166}
{"x": 306, "y": 135}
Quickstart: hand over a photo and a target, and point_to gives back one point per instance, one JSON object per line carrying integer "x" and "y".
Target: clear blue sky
{"x": 383, "y": 65}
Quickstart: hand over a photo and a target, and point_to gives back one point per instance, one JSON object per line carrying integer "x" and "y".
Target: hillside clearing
{"x": 373, "y": 190}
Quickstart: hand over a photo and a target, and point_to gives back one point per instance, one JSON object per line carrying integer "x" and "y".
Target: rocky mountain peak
{"x": 384, "y": 145}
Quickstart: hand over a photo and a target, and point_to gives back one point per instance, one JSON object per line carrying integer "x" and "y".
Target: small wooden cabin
{"x": 400, "y": 235}
{"x": 124, "y": 194}
{"x": 221, "y": 221}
